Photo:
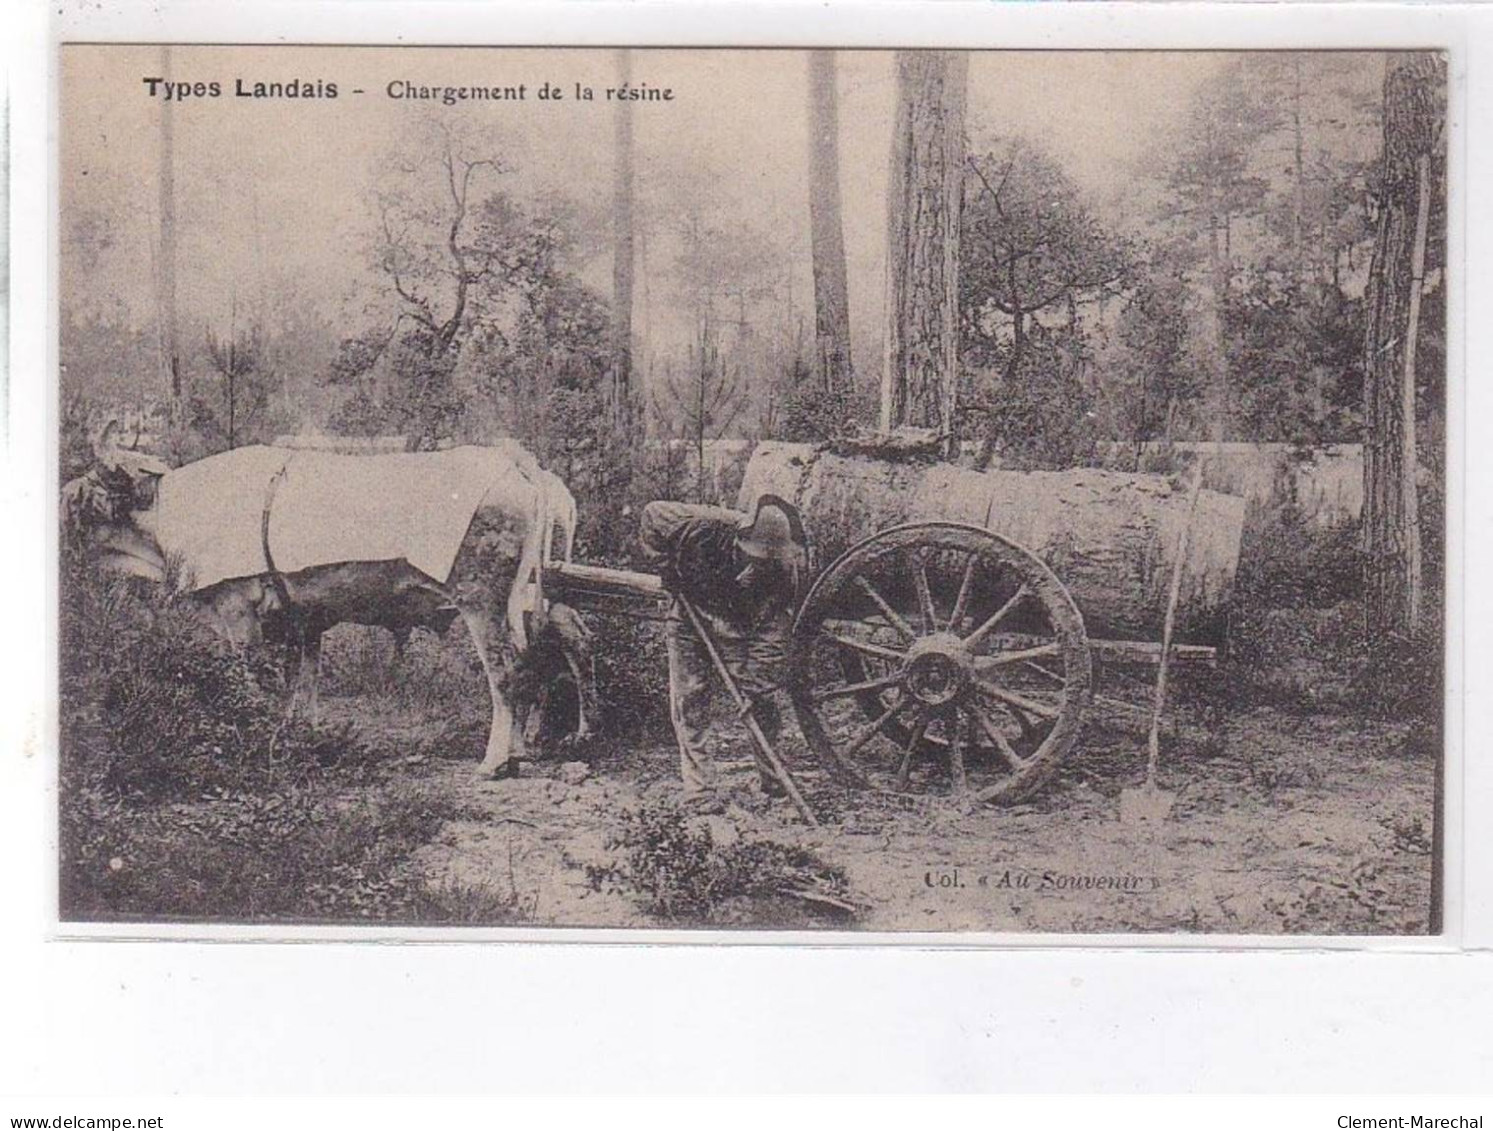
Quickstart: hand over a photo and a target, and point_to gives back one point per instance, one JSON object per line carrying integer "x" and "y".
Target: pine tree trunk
{"x": 1391, "y": 529}
{"x": 170, "y": 347}
{"x": 621, "y": 394}
{"x": 831, "y": 292}
{"x": 924, "y": 199}
{"x": 1215, "y": 351}
{"x": 1298, "y": 204}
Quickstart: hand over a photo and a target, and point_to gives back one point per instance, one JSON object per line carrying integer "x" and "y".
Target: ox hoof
{"x": 500, "y": 772}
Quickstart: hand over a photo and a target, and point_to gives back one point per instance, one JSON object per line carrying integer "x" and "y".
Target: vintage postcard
{"x": 866, "y": 491}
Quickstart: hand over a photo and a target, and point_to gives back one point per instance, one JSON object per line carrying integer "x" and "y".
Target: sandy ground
{"x": 1281, "y": 824}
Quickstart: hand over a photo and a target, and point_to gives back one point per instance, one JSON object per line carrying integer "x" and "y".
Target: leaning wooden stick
{"x": 1154, "y": 743}
{"x": 767, "y": 758}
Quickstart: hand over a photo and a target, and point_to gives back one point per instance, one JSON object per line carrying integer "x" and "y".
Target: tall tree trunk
{"x": 1215, "y": 351}
{"x": 1298, "y": 205}
{"x": 924, "y": 200}
{"x": 831, "y": 294}
{"x": 1391, "y": 528}
{"x": 166, "y": 299}
{"x": 621, "y": 393}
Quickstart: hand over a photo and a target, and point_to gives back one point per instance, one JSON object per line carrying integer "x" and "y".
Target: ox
{"x": 281, "y": 545}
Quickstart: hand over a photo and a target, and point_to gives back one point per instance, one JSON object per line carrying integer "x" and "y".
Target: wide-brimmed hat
{"x": 774, "y": 534}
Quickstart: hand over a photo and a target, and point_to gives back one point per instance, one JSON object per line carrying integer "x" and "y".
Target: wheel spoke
{"x": 1020, "y": 656}
{"x": 1030, "y": 706}
{"x": 905, "y": 766}
{"x": 925, "y": 598}
{"x": 1002, "y": 743}
{"x": 871, "y": 731}
{"x": 961, "y": 602}
{"x": 849, "y": 689}
{"x": 958, "y": 781}
{"x": 891, "y": 614}
{"x": 1048, "y": 672}
{"x": 999, "y": 615}
{"x": 880, "y": 651}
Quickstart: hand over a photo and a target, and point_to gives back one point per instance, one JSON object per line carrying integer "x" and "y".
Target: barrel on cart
{"x": 953, "y": 649}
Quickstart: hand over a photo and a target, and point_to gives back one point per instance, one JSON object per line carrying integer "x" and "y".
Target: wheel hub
{"x": 939, "y": 668}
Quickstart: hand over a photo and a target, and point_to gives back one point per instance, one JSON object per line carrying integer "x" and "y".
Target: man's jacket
{"x": 695, "y": 547}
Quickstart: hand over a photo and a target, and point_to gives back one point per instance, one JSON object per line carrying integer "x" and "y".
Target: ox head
{"x": 111, "y": 507}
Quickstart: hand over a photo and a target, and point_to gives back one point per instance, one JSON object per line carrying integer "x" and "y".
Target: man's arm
{"x": 659, "y": 528}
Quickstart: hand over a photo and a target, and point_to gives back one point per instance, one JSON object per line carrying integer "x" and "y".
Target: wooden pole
{"x": 1153, "y": 743}
{"x": 767, "y": 758}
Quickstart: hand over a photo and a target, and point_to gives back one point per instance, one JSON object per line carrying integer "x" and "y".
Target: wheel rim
{"x": 937, "y": 657}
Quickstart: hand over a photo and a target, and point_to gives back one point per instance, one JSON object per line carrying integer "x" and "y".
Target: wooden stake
{"x": 1154, "y": 742}
{"x": 767, "y": 758}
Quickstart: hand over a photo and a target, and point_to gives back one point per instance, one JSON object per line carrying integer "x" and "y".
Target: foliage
{"x": 1029, "y": 243}
{"x": 296, "y": 853}
{"x": 433, "y": 672}
{"x": 1295, "y": 353}
{"x": 632, "y": 676}
{"x": 545, "y": 375}
{"x": 419, "y": 398}
{"x": 1153, "y": 376}
{"x": 811, "y": 411}
{"x": 703, "y": 403}
{"x": 175, "y": 711}
{"x": 188, "y": 789}
{"x": 674, "y": 863}
{"x": 476, "y": 298}
{"x": 231, "y": 405}
{"x": 1031, "y": 253}
{"x": 1039, "y": 414}
{"x": 1211, "y": 174}
{"x": 1297, "y": 635}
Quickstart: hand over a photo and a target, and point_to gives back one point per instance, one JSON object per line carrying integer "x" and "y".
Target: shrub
{"x": 301, "y": 854}
{"x": 1297, "y": 636}
{"x": 436, "y": 672}
{"x": 189, "y": 789}
{"x": 632, "y": 675}
{"x": 674, "y": 863}
{"x": 157, "y": 706}
{"x": 1287, "y": 562}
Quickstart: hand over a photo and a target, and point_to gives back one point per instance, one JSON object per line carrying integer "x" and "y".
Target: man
{"x": 741, "y": 575}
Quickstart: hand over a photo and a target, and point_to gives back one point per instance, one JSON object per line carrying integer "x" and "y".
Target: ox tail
{"x": 560, "y": 514}
{"x": 565, "y": 514}
{"x": 530, "y": 572}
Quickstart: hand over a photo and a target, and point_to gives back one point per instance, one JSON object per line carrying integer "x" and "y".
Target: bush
{"x": 1288, "y": 562}
{"x": 300, "y": 854}
{"x": 674, "y": 863}
{"x": 437, "y": 671}
{"x": 158, "y": 707}
{"x": 632, "y": 676}
{"x": 1297, "y": 635}
{"x": 812, "y": 413}
{"x": 190, "y": 790}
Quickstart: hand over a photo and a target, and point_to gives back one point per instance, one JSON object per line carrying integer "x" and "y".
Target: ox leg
{"x": 575, "y": 646}
{"x": 505, "y": 741}
{"x": 401, "y": 641}
{"x": 308, "y": 675}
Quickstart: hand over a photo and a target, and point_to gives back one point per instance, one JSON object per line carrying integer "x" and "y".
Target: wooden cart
{"x": 933, "y": 657}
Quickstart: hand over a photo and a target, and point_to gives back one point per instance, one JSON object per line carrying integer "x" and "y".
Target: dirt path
{"x": 1285, "y": 824}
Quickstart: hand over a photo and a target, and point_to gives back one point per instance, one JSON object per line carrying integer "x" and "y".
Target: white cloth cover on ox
{"x": 332, "y": 508}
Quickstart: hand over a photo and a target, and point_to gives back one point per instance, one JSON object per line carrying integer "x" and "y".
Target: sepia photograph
{"x": 870, "y": 492}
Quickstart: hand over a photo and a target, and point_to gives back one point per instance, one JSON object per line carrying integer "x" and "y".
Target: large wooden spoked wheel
{"x": 938, "y": 657}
